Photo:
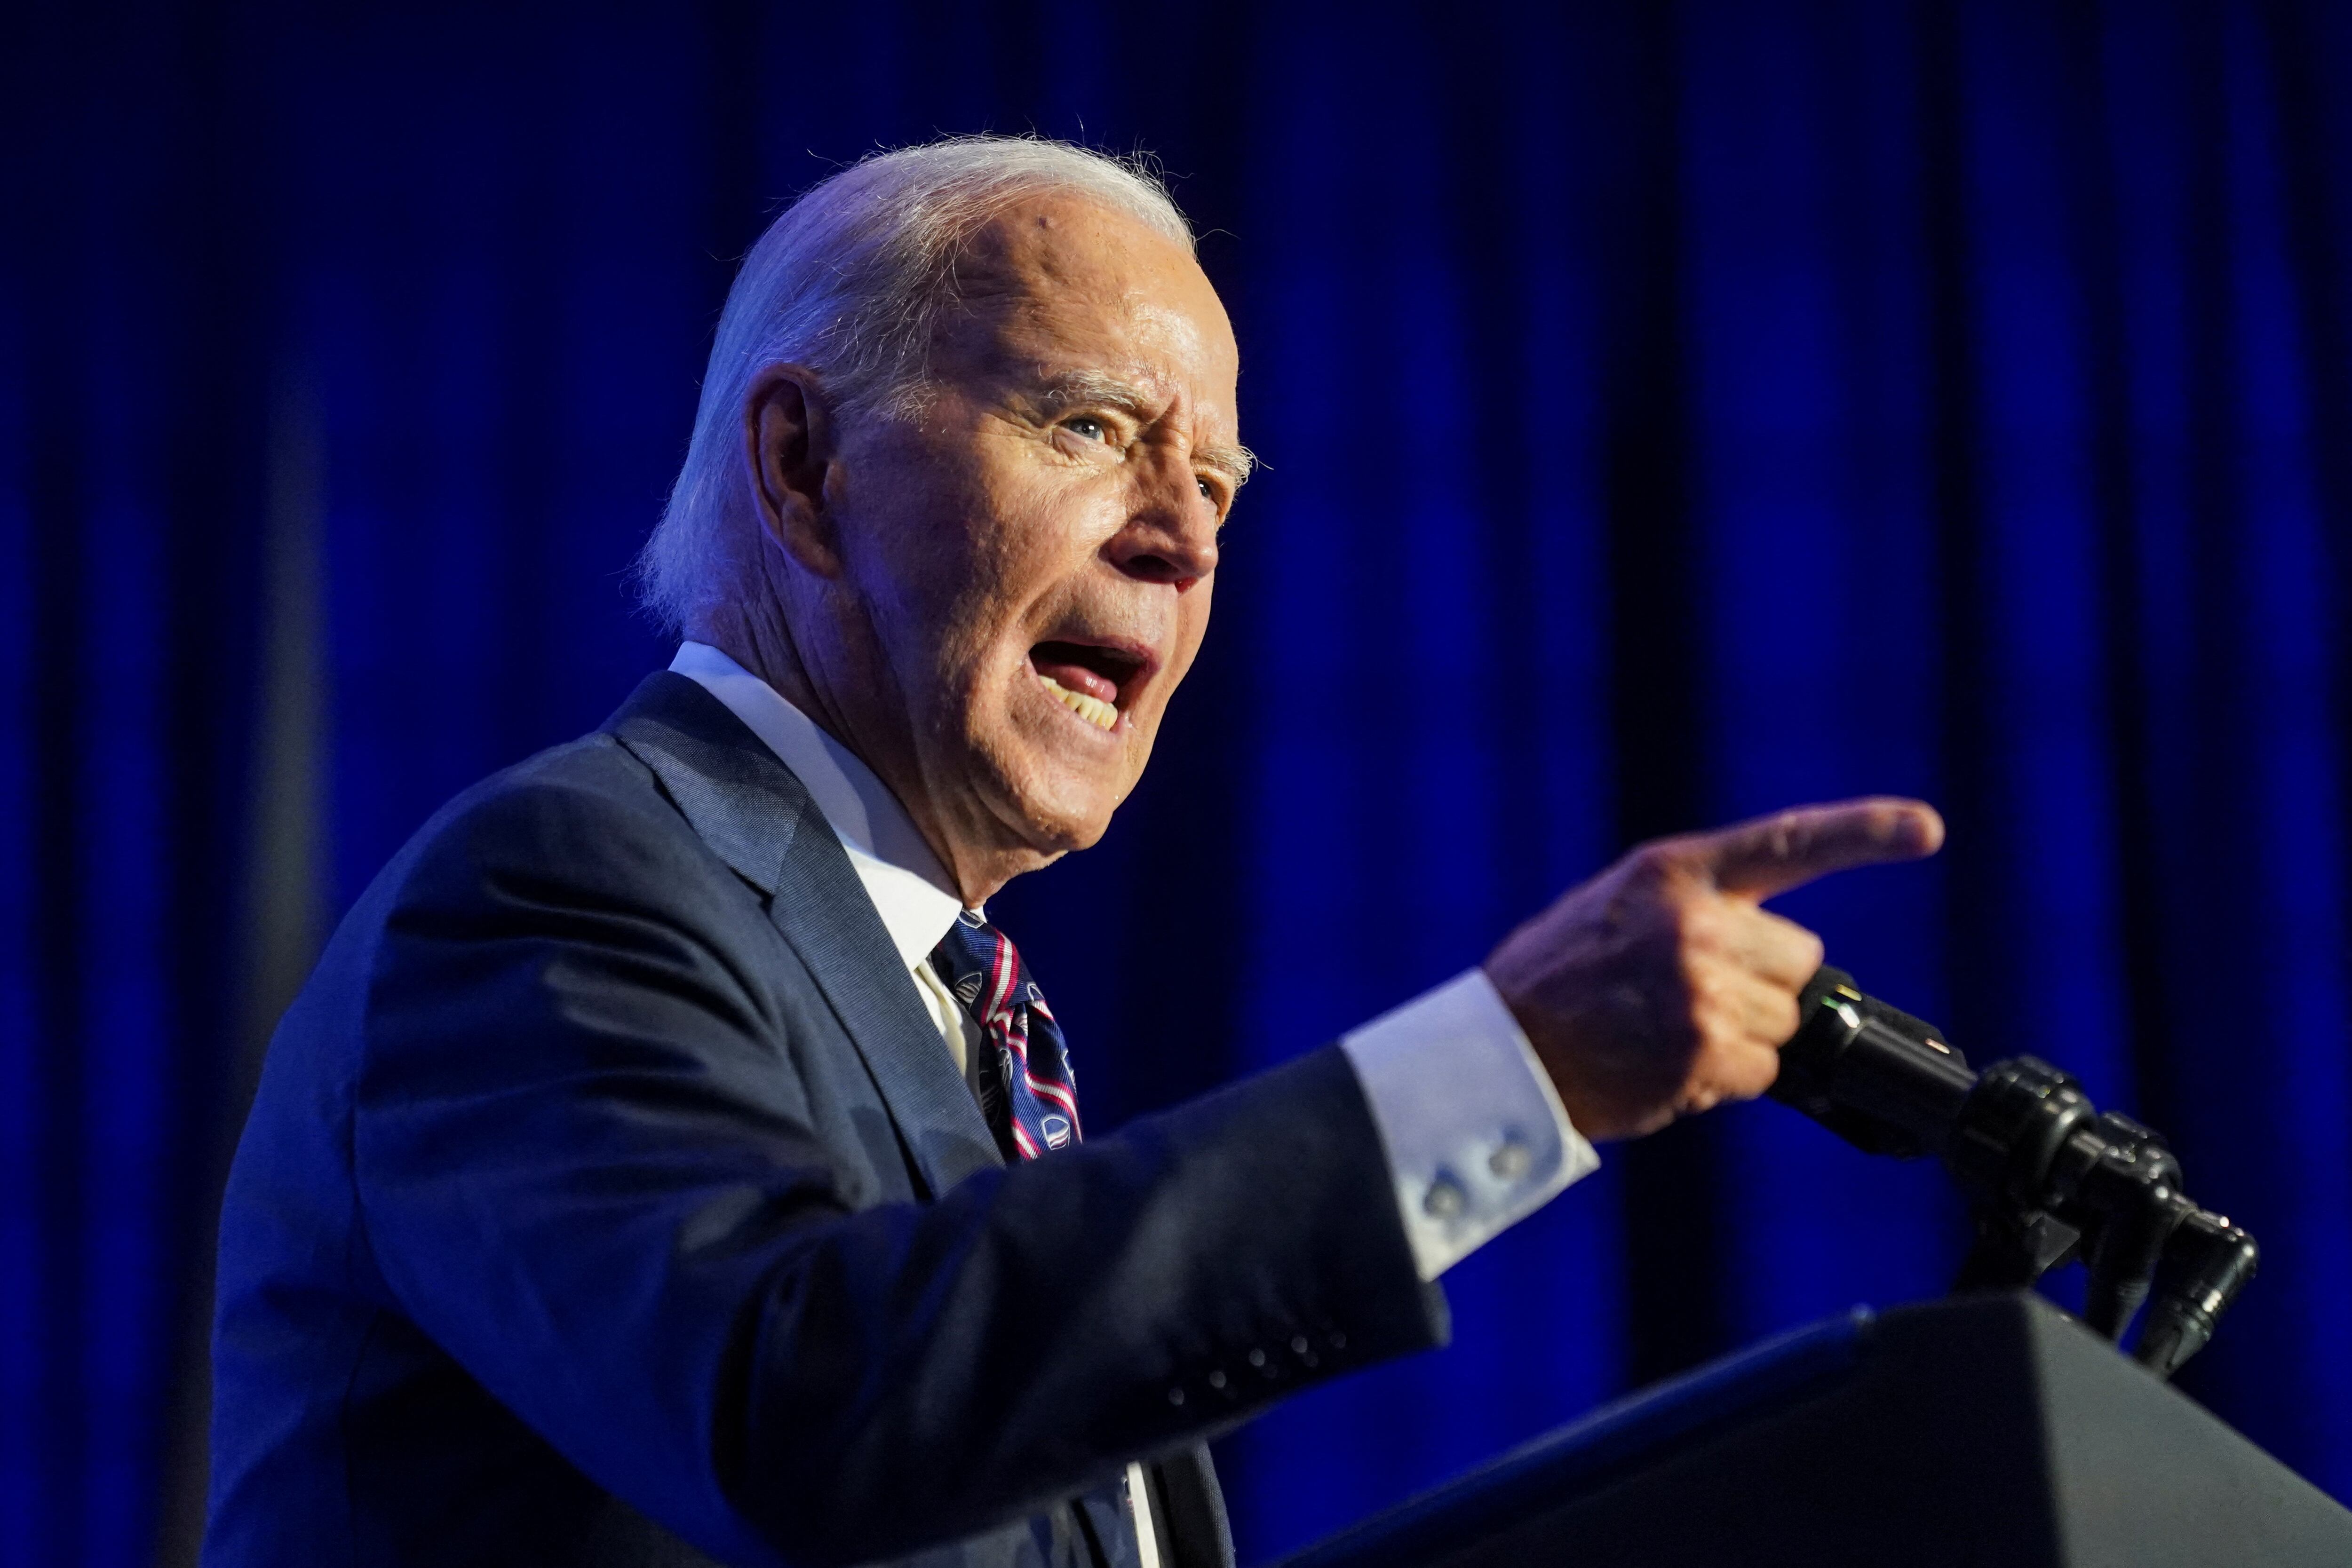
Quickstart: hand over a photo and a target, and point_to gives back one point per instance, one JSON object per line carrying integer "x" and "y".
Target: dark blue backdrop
{"x": 1674, "y": 411}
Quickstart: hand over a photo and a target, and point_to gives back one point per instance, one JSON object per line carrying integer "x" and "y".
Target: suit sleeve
{"x": 588, "y": 1169}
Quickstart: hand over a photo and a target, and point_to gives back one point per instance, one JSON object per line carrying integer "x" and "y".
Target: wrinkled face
{"x": 1034, "y": 553}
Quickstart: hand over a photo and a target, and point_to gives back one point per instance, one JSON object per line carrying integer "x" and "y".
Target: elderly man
{"x": 669, "y": 1163}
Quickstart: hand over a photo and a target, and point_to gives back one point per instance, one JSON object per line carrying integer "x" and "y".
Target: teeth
{"x": 1094, "y": 710}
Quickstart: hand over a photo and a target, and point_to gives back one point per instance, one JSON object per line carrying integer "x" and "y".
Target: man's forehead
{"x": 1060, "y": 285}
{"x": 1060, "y": 237}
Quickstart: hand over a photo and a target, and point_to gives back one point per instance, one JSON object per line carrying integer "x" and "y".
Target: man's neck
{"x": 770, "y": 654}
{"x": 766, "y": 649}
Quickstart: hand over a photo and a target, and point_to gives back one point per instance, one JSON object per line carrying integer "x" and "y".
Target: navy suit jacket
{"x": 609, "y": 1197}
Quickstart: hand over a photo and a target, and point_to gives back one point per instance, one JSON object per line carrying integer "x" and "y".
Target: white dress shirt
{"x": 1476, "y": 1137}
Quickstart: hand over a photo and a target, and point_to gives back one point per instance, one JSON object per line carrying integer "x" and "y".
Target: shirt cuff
{"x": 1477, "y": 1137}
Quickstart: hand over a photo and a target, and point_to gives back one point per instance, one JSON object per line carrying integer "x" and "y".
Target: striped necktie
{"x": 1032, "y": 1105}
{"x": 1038, "y": 1110}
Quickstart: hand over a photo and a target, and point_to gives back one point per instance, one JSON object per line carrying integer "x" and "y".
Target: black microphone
{"x": 2049, "y": 1175}
{"x": 1881, "y": 1080}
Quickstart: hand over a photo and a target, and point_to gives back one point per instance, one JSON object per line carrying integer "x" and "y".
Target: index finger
{"x": 1772, "y": 854}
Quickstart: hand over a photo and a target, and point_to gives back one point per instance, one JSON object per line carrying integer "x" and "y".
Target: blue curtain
{"x": 1674, "y": 411}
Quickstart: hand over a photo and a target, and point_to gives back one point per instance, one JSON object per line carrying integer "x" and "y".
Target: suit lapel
{"x": 747, "y": 806}
{"x": 824, "y": 912}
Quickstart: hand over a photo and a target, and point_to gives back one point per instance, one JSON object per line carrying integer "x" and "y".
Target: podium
{"x": 1989, "y": 1431}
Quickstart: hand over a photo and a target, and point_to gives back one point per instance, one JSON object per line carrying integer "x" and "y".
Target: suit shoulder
{"x": 586, "y": 815}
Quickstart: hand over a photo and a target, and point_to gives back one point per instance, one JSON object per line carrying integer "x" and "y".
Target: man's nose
{"x": 1171, "y": 536}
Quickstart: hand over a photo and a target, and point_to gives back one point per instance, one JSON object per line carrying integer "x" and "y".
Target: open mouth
{"x": 1093, "y": 680}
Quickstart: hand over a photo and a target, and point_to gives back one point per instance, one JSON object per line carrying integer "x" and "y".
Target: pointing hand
{"x": 1660, "y": 988}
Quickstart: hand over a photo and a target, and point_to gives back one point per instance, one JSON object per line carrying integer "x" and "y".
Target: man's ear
{"x": 789, "y": 443}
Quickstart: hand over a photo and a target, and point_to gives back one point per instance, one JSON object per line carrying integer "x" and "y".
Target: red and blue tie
{"x": 1032, "y": 1105}
{"x": 1038, "y": 1108}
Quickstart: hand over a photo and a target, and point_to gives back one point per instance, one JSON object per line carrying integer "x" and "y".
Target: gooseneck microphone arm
{"x": 2050, "y": 1178}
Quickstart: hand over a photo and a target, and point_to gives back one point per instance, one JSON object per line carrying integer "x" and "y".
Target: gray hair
{"x": 850, "y": 281}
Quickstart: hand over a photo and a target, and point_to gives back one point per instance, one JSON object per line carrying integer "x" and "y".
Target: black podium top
{"x": 1990, "y": 1430}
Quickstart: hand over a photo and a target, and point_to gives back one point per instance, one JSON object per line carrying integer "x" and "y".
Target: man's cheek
{"x": 1191, "y": 630}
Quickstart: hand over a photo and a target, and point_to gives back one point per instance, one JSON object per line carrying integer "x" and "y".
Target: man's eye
{"x": 1087, "y": 428}
{"x": 1207, "y": 493}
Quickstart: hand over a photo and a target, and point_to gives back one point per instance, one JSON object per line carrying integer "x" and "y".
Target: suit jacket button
{"x": 1217, "y": 1379}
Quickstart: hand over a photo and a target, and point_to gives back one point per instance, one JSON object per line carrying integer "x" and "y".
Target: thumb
{"x": 1772, "y": 854}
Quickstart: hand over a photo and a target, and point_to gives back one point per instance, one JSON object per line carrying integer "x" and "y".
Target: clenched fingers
{"x": 1770, "y": 946}
{"x": 1741, "y": 1009}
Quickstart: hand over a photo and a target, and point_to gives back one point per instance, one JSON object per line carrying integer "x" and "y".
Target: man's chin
{"x": 1059, "y": 788}
{"x": 1056, "y": 808}
{"x": 1059, "y": 823}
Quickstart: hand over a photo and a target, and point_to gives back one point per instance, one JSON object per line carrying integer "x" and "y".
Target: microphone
{"x": 2049, "y": 1175}
{"x": 1881, "y": 1080}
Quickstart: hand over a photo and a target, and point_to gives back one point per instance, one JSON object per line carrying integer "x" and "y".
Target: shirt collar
{"x": 909, "y": 888}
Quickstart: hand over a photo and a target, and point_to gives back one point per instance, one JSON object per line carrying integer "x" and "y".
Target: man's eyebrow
{"x": 1073, "y": 389}
{"x": 1098, "y": 389}
{"x": 1235, "y": 462}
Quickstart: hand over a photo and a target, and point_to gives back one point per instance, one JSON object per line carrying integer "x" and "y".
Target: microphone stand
{"x": 2050, "y": 1178}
